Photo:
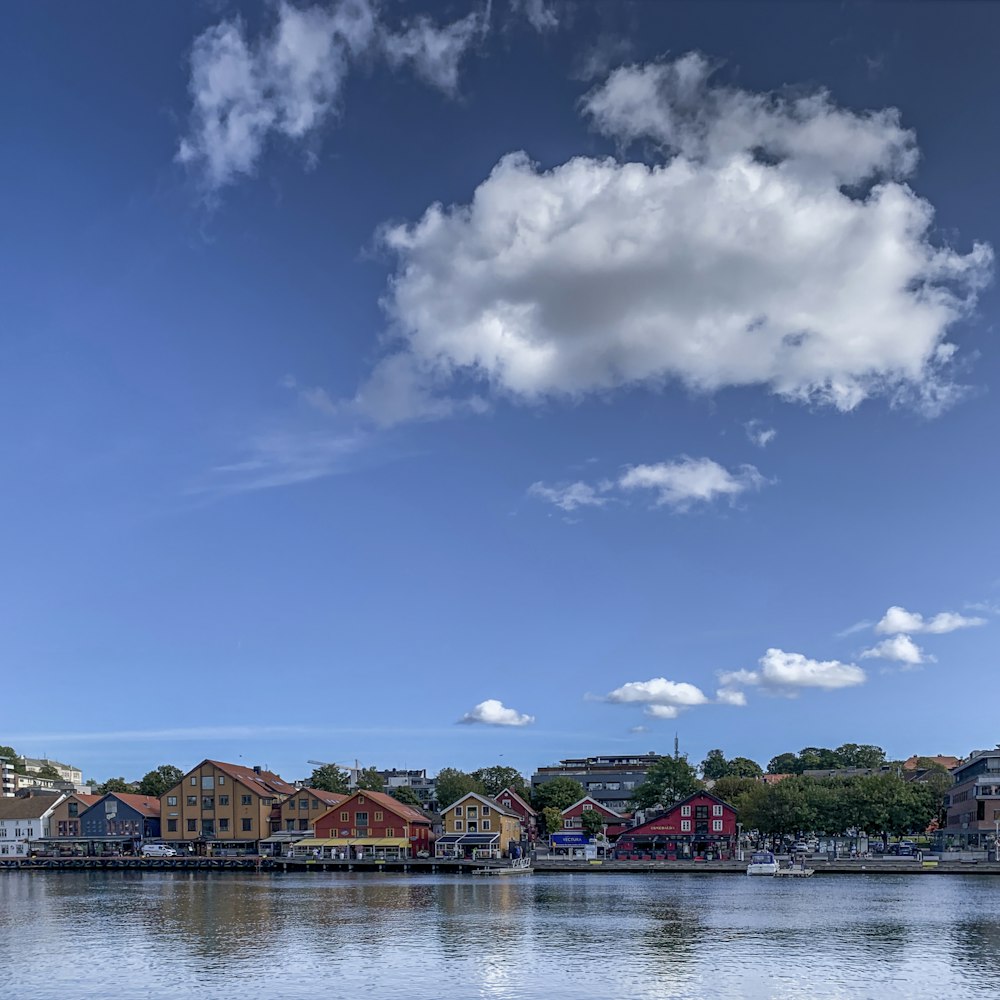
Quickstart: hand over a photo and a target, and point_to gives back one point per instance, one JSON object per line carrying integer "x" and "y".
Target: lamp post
{"x": 739, "y": 841}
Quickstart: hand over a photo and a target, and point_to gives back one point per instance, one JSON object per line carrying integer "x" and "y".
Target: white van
{"x": 158, "y": 851}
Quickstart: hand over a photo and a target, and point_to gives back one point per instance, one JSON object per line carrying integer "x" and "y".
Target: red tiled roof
{"x": 145, "y": 804}
{"x": 264, "y": 783}
{"x": 328, "y": 798}
{"x": 87, "y": 800}
{"x": 911, "y": 763}
{"x": 388, "y": 802}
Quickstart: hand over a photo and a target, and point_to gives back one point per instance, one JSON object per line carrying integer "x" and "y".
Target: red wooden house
{"x": 510, "y": 799}
{"x": 369, "y": 824}
{"x": 614, "y": 822}
{"x": 700, "y": 826}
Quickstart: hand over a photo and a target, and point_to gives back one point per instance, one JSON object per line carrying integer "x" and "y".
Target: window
{"x": 361, "y": 800}
{"x": 207, "y": 802}
{"x": 223, "y": 825}
{"x": 716, "y": 810}
{"x": 246, "y": 824}
{"x": 315, "y": 803}
{"x": 171, "y": 800}
{"x": 685, "y": 826}
{"x": 378, "y": 817}
{"x": 486, "y": 810}
{"x": 192, "y": 800}
{"x": 506, "y": 803}
{"x": 74, "y": 809}
{"x": 472, "y": 811}
{"x": 223, "y": 800}
{"x": 171, "y": 826}
{"x": 245, "y": 800}
{"x": 194, "y": 779}
{"x": 458, "y": 824}
{"x": 192, "y": 826}
{"x": 587, "y": 807}
{"x": 390, "y": 832}
{"x": 458, "y": 810}
{"x": 486, "y": 824}
{"x": 361, "y": 819}
{"x": 303, "y": 824}
{"x": 208, "y": 781}
{"x": 222, "y": 779}
{"x": 303, "y": 803}
{"x": 208, "y": 827}
{"x": 717, "y": 825}
{"x": 685, "y": 810}
{"x": 344, "y": 817}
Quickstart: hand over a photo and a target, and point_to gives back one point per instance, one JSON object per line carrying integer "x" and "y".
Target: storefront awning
{"x": 310, "y": 842}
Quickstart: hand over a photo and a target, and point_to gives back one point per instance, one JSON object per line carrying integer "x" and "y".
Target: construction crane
{"x": 353, "y": 773}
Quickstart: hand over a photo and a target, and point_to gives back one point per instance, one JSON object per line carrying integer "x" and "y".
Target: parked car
{"x": 423, "y": 854}
{"x": 158, "y": 851}
{"x": 800, "y": 847}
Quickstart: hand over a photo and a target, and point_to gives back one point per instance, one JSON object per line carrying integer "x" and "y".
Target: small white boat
{"x": 762, "y": 863}
{"x": 520, "y": 866}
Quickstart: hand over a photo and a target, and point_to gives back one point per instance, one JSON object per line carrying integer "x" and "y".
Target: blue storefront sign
{"x": 569, "y": 840}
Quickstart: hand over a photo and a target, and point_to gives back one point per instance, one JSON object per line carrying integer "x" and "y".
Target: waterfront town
{"x": 845, "y": 803}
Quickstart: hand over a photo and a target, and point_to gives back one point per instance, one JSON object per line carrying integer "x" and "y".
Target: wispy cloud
{"x": 861, "y": 626}
{"x": 283, "y": 458}
{"x": 898, "y": 619}
{"x": 758, "y": 434}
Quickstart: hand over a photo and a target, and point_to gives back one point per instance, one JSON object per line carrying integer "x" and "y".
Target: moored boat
{"x": 762, "y": 863}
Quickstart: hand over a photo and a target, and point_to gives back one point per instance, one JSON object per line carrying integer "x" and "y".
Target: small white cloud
{"x": 786, "y": 672}
{"x": 658, "y": 691}
{"x": 494, "y": 713}
{"x": 730, "y": 696}
{"x": 900, "y": 648}
{"x": 569, "y": 497}
{"x": 758, "y": 434}
{"x": 691, "y": 480}
{"x": 898, "y": 619}
{"x": 662, "y": 711}
{"x": 856, "y": 627}
{"x": 637, "y": 730}
{"x": 434, "y": 52}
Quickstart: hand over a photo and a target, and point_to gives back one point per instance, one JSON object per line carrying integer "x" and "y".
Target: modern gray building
{"x": 610, "y": 780}
{"x": 424, "y": 787}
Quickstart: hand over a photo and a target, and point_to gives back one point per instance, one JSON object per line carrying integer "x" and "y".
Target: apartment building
{"x": 610, "y": 780}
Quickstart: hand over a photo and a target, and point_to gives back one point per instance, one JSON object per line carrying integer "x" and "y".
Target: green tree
{"x": 735, "y": 790}
{"x": 329, "y": 778}
{"x": 14, "y": 758}
{"x": 743, "y": 767}
{"x": 860, "y": 755}
{"x": 818, "y": 759}
{"x": 369, "y": 780}
{"x": 714, "y": 765}
{"x": 558, "y": 793}
{"x": 114, "y": 785}
{"x": 552, "y": 818}
{"x": 48, "y": 772}
{"x": 160, "y": 780}
{"x": 496, "y": 778}
{"x": 452, "y": 784}
{"x": 667, "y": 781}
{"x": 593, "y": 822}
{"x": 784, "y": 763}
{"x": 406, "y": 795}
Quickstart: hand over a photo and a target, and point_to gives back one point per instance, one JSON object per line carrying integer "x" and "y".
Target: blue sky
{"x": 586, "y": 372}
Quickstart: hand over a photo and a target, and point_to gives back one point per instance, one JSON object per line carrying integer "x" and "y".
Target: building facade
{"x": 300, "y": 811}
{"x": 610, "y": 780}
{"x": 23, "y": 820}
{"x": 227, "y": 806}
{"x": 6, "y": 778}
{"x": 65, "y": 821}
{"x": 511, "y": 800}
{"x": 972, "y": 804}
{"x": 369, "y": 825}
{"x": 702, "y": 826}
{"x": 120, "y": 814}
{"x": 478, "y": 827}
{"x": 73, "y": 775}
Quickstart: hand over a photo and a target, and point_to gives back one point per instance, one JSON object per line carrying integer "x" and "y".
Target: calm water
{"x": 153, "y": 935}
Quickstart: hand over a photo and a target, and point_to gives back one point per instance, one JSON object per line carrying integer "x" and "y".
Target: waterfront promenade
{"x": 542, "y": 866}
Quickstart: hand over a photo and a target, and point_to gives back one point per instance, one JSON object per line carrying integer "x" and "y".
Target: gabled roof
{"x": 508, "y": 791}
{"x": 29, "y": 806}
{"x": 327, "y": 798}
{"x": 492, "y": 803}
{"x": 388, "y": 803}
{"x": 263, "y": 783}
{"x": 85, "y": 797}
{"x": 594, "y": 802}
{"x": 146, "y": 805}
{"x": 945, "y": 760}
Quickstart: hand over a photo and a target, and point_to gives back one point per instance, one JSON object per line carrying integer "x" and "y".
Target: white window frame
{"x": 458, "y": 825}
{"x": 685, "y": 826}
{"x": 685, "y": 810}
{"x": 716, "y": 826}
{"x": 716, "y": 810}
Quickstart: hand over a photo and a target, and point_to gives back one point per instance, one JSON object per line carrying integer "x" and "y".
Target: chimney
{"x": 256, "y": 769}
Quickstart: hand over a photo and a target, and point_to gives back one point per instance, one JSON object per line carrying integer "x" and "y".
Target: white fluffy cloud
{"x": 690, "y": 480}
{"x": 790, "y": 671}
{"x": 494, "y": 713}
{"x": 897, "y": 620}
{"x": 288, "y": 82}
{"x": 678, "y": 484}
{"x": 662, "y": 699}
{"x": 772, "y": 242}
{"x": 730, "y": 696}
{"x": 901, "y": 649}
